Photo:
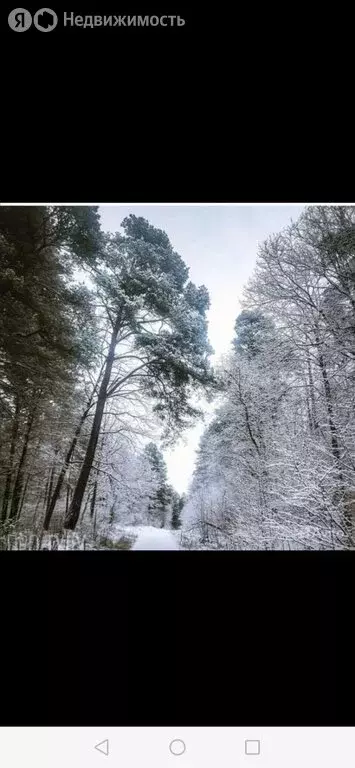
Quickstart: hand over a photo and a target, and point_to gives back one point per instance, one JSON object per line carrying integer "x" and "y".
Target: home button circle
{"x": 177, "y": 747}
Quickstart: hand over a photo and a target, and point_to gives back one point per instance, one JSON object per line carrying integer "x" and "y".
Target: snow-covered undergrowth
{"x": 119, "y": 538}
{"x": 27, "y": 540}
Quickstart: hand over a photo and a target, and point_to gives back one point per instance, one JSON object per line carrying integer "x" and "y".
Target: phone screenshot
{"x": 177, "y": 483}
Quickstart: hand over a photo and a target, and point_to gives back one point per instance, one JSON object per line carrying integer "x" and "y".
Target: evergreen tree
{"x": 253, "y": 329}
{"x": 158, "y": 334}
{"x": 159, "y": 501}
{"x": 46, "y": 326}
{"x": 177, "y": 507}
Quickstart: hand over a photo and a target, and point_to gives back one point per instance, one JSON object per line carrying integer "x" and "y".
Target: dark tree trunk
{"x": 335, "y": 444}
{"x": 112, "y": 514}
{"x": 67, "y": 500}
{"x": 85, "y": 506}
{"x": 14, "y": 433}
{"x": 62, "y": 473}
{"x": 50, "y": 486}
{"x": 23, "y": 496}
{"x": 45, "y": 497}
{"x": 16, "y": 494}
{"x": 39, "y": 499}
{"x": 28, "y": 479}
{"x": 74, "y": 511}
{"x": 50, "y": 482}
{"x": 93, "y": 500}
{"x": 94, "y": 493}
{"x": 328, "y": 400}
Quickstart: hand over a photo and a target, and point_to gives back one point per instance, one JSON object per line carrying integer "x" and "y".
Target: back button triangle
{"x": 102, "y": 747}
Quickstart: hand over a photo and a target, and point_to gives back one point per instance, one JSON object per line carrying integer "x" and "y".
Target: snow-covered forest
{"x": 105, "y": 362}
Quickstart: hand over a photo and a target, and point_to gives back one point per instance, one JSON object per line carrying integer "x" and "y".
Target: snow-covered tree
{"x": 276, "y": 466}
{"x": 159, "y": 501}
{"x": 158, "y": 338}
{"x": 177, "y": 506}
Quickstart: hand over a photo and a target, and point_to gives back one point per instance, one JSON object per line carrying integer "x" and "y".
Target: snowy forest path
{"x": 155, "y": 538}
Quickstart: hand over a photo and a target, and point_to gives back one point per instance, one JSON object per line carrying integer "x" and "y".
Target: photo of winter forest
{"x": 182, "y": 379}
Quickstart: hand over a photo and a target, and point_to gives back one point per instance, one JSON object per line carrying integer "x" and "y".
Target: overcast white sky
{"x": 219, "y": 244}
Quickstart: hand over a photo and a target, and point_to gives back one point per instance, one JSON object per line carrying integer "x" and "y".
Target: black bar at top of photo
{"x": 177, "y": 113}
{"x": 70, "y": 179}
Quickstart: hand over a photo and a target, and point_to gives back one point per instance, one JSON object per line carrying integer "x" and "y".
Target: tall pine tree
{"x": 158, "y": 334}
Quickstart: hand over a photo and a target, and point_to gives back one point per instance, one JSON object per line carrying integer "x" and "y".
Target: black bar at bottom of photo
{"x": 194, "y": 639}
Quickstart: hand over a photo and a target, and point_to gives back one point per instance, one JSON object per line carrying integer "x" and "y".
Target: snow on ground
{"x": 118, "y": 537}
{"x": 155, "y": 538}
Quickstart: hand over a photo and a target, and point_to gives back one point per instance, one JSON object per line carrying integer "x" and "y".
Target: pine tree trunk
{"x": 50, "y": 486}
{"x": 93, "y": 500}
{"x": 85, "y": 506}
{"x": 45, "y": 497}
{"x": 28, "y": 478}
{"x": 39, "y": 499}
{"x": 94, "y": 526}
{"x": 23, "y": 496}
{"x": 62, "y": 473}
{"x": 17, "y": 490}
{"x": 49, "y": 494}
{"x": 67, "y": 500}
{"x": 14, "y": 433}
{"x": 94, "y": 494}
{"x": 74, "y": 511}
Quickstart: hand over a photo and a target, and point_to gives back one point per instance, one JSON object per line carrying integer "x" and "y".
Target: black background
{"x": 191, "y": 638}
{"x": 229, "y": 107}
{"x": 216, "y": 111}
